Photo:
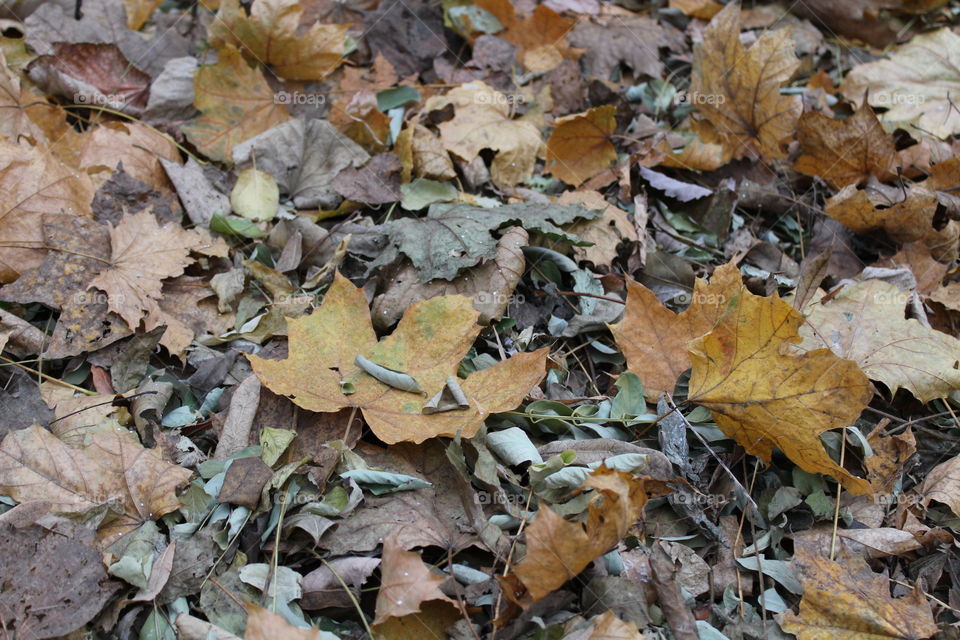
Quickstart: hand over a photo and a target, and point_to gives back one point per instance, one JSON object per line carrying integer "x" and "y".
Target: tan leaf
{"x": 558, "y": 550}
{"x": 142, "y": 254}
{"x": 605, "y": 232}
{"x": 703, "y": 9}
{"x": 138, "y": 147}
{"x": 139, "y": 11}
{"x": 269, "y": 33}
{"x": 235, "y": 104}
{"x": 847, "y": 151}
{"x": 540, "y": 37}
{"x": 607, "y": 626}
{"x": 266, "y": 625}
{"x": 943, "y": 485}
{"x": 23, "y": 111}
{"x": 845, "y": 599}
{"x": 33, "y": 183}
{"x": 113, "y": 469}
{"x": 917, "y": 83}
{"x": 432, "y": 338}
{"x": 865, "y": 323}
{"x": 405, "y": 583}
{"x": 580, "y": 147}
{"x": 482, "y": 121}
{"x": 737, "y": 90}
{"x": 765, "y": 395}
{"x": 656, "y": 341}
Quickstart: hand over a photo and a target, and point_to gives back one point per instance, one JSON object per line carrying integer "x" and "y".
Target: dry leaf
{"x": 605, "y": 232}
{"x": 540, "y": 38}
{"x": 703, "y": 9}
{"x": 138, "y": 147}
{"x": 943, "y": 485}
{"x": 737, "y": 91}
{"x": 763, "y": 394}
{"x": 482, "y": 121}
{"x": 847, "y": 151}
{"x": 558, "y": 550}
{"x": 269, "y": 33}
{"x": 917, "y": 84}
{"x": 139, "y": 11}
{"x": 845, "y": 599}
{"x": 235, "y": 104}
{"x": 33, "y": 183}
{"x": 432, "y": 338}
{"x": 113, "y": 470}
{"x": 263, "y": 624}
{"x": 579, "y": 147}
{"x": 656, "y": 341}
{"x": 865, "y": 323}
{"x": 405, "y": 583}
{"x": 608, "y": 626}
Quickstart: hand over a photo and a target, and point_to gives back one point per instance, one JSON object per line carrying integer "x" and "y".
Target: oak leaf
{"x": 580, "y": 147}
{"x": 917, "y": 83}
{"x": 271, "y": 34}
{"x": 482, "y": 120}
{"x": 845, "y": 599}
{"x": 113, "y": 470}
{"x": 428, "y": 344}
{"x": 764, "y": 394}
{"x": 737, "y": 91}
{"x": 235, "y": 104}
{"x": 33, "y": 183}
{"x": 847, "y": 151}
{"x": 865, "y": 323}
{"x": 558, "y": 550}
{"x": 656, "y": 341}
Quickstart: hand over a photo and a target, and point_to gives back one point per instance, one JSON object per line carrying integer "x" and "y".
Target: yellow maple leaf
{"x": 764, "y": 394}
{"x": 580, "y": 147}
{"x": 270, "y": 35}
{"x": 736, "y": 91}
{"x": 428, "y": 344}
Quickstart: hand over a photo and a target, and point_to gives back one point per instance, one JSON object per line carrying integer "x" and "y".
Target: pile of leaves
{"x": 479, "y": 319}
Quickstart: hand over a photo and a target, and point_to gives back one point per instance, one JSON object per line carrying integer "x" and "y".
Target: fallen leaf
{"x": 606, "y": 232}
{"x": 845, "y": 599}
{"x": 235, "y": 104}
{"x": 263, "y": 624}
{"x": 405, "y": 583}
{"x": 916, "y": 83}
{"x": 255, "y": 196}
{"x": 736, "y": 91}
{"x": 764, "y": 394}
{"x": 558, "y": 550}
{"x": 138, "y": 147}
{"x": 579, "y": 147}
{"x": 846, "y": 151}
{"x": 865, "y": 323}
{"x": 322, "y": 589}
{"x": 540, "y": 37}
{"x": 628, "y": 39}
{"x": 943, "y": 485}
{"x": 428, "y": 344}
{"x": 703, "y": 9}
{"x": 656, "y": 341}
{"x": 270, "y": 32}
{"x": 139, "y": 11}
{"x": 482, "y": 120}
{"x": 33, "y": 183}
{"x": 136, "y": 483}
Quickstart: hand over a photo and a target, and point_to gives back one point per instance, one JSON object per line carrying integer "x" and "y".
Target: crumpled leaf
{"x": 235, "y": 104}
{"x": 917, "y": 83}
{"x": 270, "y": 33}
{"x": 482, "y": 120}
{"x": 846, "y": 151}
{"x": 405, "y": 584}
{"x": 865, "y": 323}
{"x": 943, "y": 485}
{"x": 764, "y": 394}
{"x": 33, "y": 183}
{"x": 845, "y": 599}
{"x": 580, "y": 147}
{"x": 736, "y": 91}
{"x": 428, "y": 344}
{"x": 605, "y": 232}
{"x": 558, "y": 550}
{"x": 113, "y": 470}
{"x": 656, "y": 341}
{"x": 628, "y": 39}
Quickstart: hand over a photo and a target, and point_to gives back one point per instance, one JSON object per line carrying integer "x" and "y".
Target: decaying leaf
{"x": 113, "y": 478}
{"x": 845, "y": 599}
{"x": 405, "y": 583}
{"x": 606, "y": 232}
{"x": 865, "y": 323}
{"x": 540, "y": 37}
{"x": 428, "y": 344}
{"x": 656, "y": 341}
{"x": 269, "y": 33}
{"x": 943, "y": 484}
{"x": 764, "y": 394}
{"x": 580, "y": 147}
{"x": 558, "y": 549}
{"x": 736, "y": 90}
